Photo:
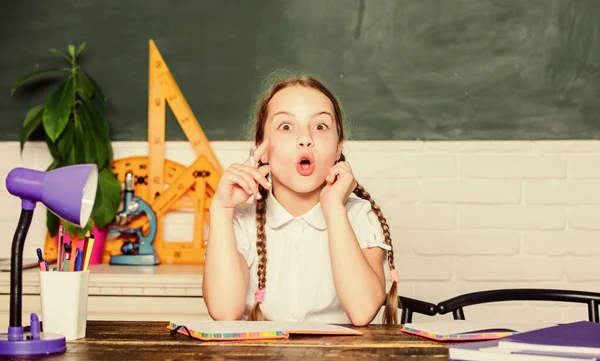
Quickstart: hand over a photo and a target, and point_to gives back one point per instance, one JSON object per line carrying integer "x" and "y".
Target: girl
{"x": 324, "y": 248}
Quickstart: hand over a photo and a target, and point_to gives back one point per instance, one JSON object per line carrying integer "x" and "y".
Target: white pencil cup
{"x": 64, "y": 297}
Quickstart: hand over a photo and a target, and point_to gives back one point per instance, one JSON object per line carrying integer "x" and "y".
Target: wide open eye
{"x": 284, "y": 126}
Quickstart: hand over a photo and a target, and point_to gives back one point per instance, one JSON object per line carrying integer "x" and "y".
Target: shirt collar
{"x": 277, "y": 216}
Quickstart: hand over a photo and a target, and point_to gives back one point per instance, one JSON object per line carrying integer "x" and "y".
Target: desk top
{"x": 112, "y": 340}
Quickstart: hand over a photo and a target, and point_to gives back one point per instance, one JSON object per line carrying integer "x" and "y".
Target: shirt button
{"x": 294, "y": 280}
{"x": 297, "y": 247}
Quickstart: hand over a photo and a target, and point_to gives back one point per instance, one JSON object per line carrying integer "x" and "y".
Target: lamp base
{"x": 46, "y": 343}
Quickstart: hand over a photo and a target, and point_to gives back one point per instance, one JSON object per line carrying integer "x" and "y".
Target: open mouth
{"x": 305, "y": 165}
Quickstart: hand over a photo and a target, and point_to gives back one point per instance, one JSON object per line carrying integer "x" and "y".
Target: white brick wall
{"x": 465, "y": 216}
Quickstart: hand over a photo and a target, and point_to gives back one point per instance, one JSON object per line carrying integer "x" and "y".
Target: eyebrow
{"x": 314, "y": 115}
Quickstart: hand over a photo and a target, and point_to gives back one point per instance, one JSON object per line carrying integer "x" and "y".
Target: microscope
{"x": 140, "y": 252}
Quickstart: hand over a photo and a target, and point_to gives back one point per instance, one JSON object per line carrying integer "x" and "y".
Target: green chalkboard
{"x": 412, "y": 69}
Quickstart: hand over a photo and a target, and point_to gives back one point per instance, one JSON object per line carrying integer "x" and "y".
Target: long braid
{"x": 261, "y": 248}
{"x": 390, "y": 313}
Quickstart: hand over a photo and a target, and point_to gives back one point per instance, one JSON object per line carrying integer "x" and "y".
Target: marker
{"x": 61, "y": 249}
{"x": 66, "y": 263}
{"x": 43, "y": 264}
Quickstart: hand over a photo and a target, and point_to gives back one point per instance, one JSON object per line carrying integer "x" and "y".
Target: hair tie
{"x": 259, "y": 295}
{"x": 394, "y": 276}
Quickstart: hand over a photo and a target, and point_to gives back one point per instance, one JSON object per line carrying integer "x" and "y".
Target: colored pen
{"x": 73, "y": 252}
{"x": 78, "y": 260}
{"x": 43, "y": 264}
{"x": 61, "y": 249}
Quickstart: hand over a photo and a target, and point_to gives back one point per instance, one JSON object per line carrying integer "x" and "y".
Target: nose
{"x": 305, "y": 141}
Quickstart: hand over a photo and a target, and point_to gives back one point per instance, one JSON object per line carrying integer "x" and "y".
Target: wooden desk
{"x": 141, "y": 340}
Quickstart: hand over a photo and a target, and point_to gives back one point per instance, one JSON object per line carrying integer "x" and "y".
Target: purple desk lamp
{"x": 68, "y": 192}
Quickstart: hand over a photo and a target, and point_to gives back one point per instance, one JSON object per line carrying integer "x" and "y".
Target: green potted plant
{"x": 76, "y": 131}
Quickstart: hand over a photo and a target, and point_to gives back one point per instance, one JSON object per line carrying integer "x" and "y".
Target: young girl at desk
{"x": 324, "y": 248}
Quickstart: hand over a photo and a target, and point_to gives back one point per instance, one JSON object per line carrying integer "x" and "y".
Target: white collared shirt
{"x": 299, "y": 280}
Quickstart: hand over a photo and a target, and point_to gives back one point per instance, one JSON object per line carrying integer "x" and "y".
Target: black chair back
{"x": 456, "y": 304}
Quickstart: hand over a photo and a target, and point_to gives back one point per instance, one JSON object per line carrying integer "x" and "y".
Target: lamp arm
{"x": 16, "y": 267}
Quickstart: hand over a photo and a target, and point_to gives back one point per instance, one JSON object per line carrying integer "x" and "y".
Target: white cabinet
{"x": 149, "y": 293}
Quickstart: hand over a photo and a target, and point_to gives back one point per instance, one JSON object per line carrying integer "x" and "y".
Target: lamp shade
{"x": 69, "y": 192}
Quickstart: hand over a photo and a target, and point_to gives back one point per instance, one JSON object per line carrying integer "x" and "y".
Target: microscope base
{"x": 135, "y": 260}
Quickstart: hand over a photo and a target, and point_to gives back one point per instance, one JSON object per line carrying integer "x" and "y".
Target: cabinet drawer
{"x": 124, "y": 308}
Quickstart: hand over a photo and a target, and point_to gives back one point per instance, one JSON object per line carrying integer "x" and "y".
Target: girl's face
{"x": 304, "y": 141}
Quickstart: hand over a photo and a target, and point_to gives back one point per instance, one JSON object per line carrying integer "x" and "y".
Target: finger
{"x": 348, "y": 165}
{"x": 258, "y": 153}
{"x": 259, "y": 174}
{"x": 329, "y": 174}
{"x": 333, "y": 173}
{"x": 248, "y": 178}
{"x": 241, "y": 182}
{"x": 336, "y": 171}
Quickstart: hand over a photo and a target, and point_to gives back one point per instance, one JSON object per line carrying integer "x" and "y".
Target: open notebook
{"x": 460, "y": 330}
{"x": 254, "y": 330}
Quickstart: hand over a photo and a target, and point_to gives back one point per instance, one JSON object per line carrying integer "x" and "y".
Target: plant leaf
{"x": 58, "y": 110}
{"x": 56, "y": 51}
{"x": 71, "y": 228}
{"x": 98, "y": 119}
{"x": 110, "y": 155}
{"x": 70, "y": 157}
{"x": 32, "y": 121}
{"x": 55, "y": 164}
{"x": 53, "y": 148}
{"x": 65, "y": 142}
{"x": 97, "y": 143}
{"x": 97, "y": 89}
{"x": 85, "y": 89}
{"x": 80, "y": 48}
{"x": 81, "y": 154}
{"x": 96, "y": 147}
{"x": 72, "y": 51}
{"x": 108, "y": 197}
{"x": 32, "y": 75}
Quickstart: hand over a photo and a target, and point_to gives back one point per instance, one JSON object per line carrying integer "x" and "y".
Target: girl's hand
{"x": 240, "y": 181}
{"x": 339, "y": 184}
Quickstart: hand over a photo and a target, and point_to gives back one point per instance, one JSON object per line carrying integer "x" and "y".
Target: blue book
{"x": 577, "y": 337}
{"x": 489, "y": 351}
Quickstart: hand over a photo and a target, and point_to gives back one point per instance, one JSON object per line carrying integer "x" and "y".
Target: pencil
{"x": 85, "y": 245}
{"x": 88, "y": 253}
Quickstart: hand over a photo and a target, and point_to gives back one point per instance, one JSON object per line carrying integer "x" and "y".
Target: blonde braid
{"x": 261, "y": 248}
{"x": 390, "y": 313}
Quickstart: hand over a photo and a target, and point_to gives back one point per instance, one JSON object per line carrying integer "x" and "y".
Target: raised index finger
{"x": 258, "y": 153}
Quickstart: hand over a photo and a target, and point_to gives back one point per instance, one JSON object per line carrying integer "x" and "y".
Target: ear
{"x": 340, "y": 147}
